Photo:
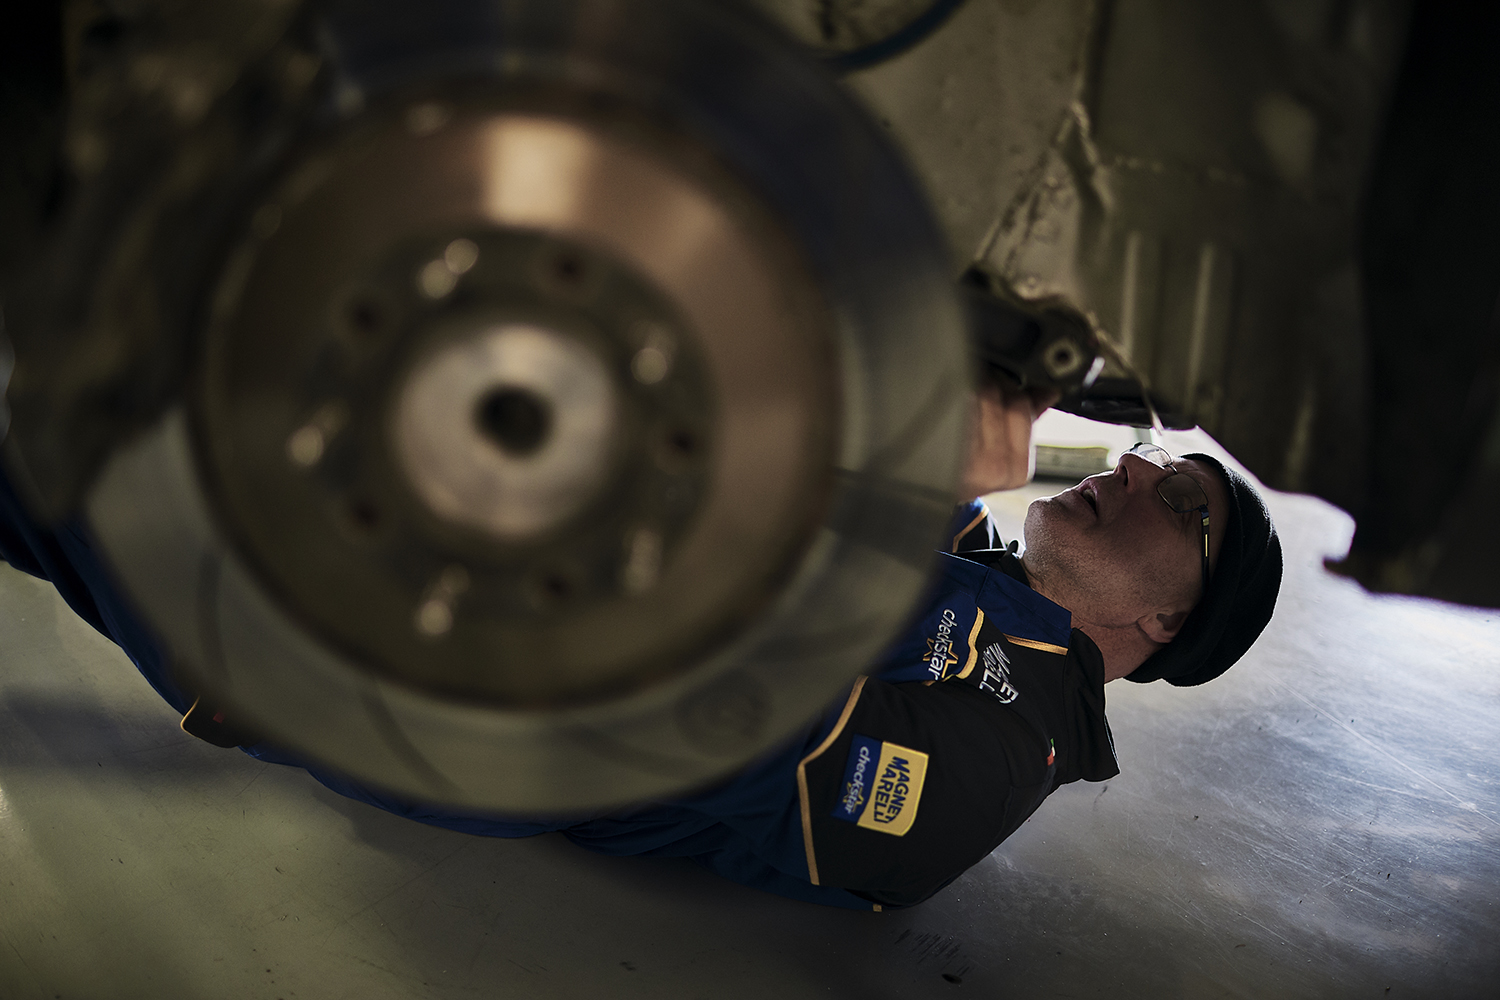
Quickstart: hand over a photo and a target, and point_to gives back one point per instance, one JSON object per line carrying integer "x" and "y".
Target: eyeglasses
{"x": 1181, "y": 492}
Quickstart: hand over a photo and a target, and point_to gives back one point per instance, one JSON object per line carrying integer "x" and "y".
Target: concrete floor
{"x": 1323, "y": 821}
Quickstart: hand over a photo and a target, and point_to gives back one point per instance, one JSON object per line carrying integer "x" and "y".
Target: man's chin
{"x": 1055, "y": 520}
{"x": 1039, "y": 515}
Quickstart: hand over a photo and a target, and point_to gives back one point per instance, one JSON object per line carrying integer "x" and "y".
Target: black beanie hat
{"x": 1240, "y": 598}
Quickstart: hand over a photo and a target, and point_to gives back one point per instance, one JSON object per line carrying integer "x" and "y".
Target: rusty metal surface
{"x": 1190, "y": 175}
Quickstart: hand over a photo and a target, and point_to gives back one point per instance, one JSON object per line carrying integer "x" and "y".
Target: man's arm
{"x": 916, "y": 784}
{"x": 1000, "y": 456}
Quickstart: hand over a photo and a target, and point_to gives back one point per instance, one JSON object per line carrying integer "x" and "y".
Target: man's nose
{"x": 1141, "y": 473}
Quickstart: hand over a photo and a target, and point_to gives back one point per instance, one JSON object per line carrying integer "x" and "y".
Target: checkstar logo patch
{"x": 941, "y": 657}
{"x": 882, "y": 786}
{"x": 864, "y": 757}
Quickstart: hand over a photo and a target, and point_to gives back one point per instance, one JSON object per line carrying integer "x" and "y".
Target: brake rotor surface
{"x": 514, "y": 390}
{"x": 570, "y": 414}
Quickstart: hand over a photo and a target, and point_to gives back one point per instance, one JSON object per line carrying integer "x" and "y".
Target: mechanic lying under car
{"x": 1161, "y": 569}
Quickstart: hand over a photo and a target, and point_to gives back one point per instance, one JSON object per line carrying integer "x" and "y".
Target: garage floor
{"x": 1324, "y": 821}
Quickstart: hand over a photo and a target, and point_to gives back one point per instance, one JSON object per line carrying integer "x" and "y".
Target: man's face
{"x": 1115, "y": 549}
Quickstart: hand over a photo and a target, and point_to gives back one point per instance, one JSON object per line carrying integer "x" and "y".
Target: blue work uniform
{"x": 984, "y": 706}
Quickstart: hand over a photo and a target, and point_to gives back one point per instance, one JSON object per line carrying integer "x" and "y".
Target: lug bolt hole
{"x": 365, "y": 317}
{"x": 364, "y": 516}
{"x": 567, "y": 269}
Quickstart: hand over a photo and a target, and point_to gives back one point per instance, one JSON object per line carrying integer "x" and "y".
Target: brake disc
{"x": 564, "y": 397}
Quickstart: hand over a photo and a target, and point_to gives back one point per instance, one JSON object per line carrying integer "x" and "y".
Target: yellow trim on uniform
{"x": 1045, "y": 647}
{"x": 838, "y": 727}
{"x": 182, "y": 723}
{"x": 877, "y": 907}
{"x": 973, "y": 637}
{"x": 984, "y": 512}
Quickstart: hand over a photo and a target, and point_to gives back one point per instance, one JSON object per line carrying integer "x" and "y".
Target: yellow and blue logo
{"x": 882, "y": 786}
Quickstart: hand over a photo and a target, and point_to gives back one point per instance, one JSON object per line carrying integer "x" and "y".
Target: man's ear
{"x": 1162, "y": 626}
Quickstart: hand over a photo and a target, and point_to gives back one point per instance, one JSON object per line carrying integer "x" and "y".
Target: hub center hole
{"x": 517, "y": 420}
